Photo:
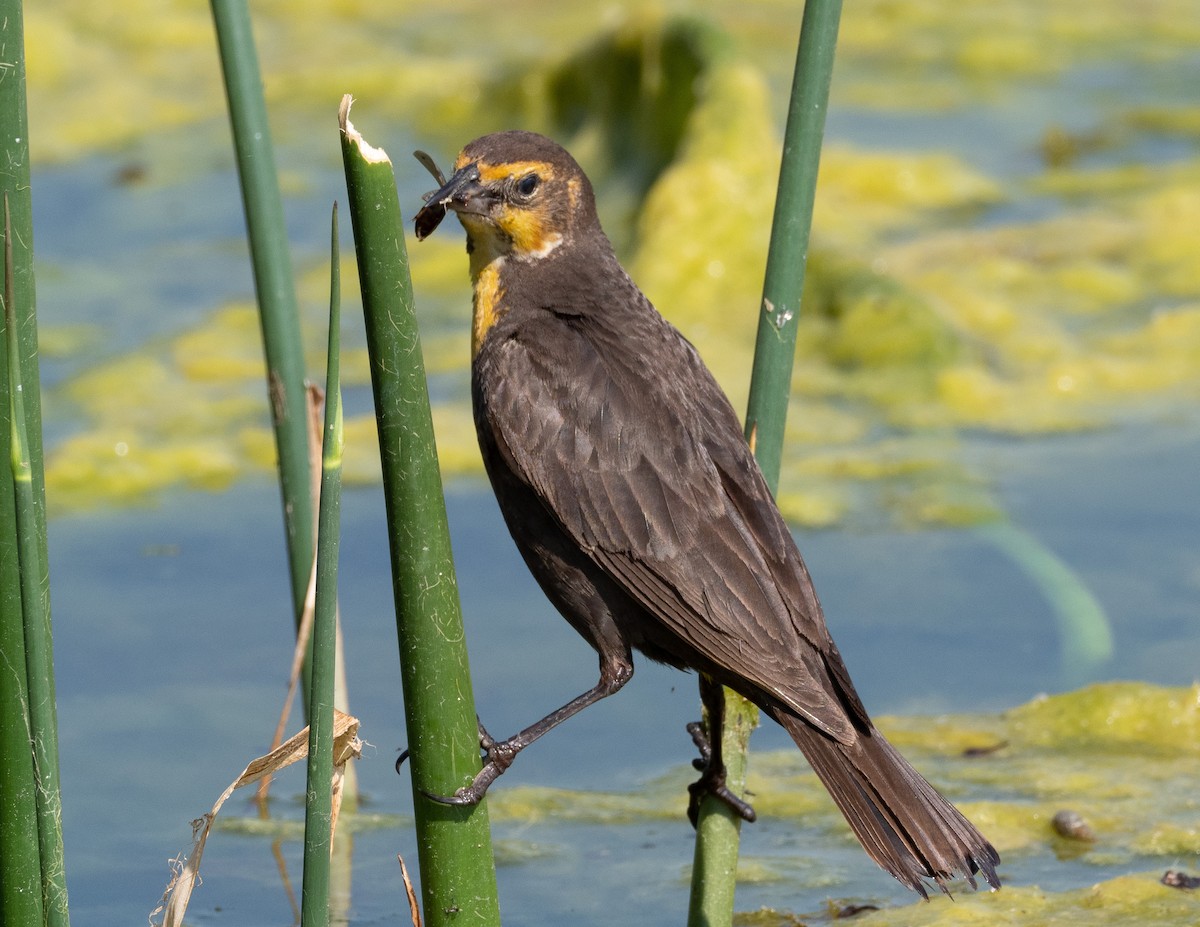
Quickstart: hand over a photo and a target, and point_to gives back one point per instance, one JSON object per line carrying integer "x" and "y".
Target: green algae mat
{"x": 1038, "y": 280}
{"x": 1122, "y": 756}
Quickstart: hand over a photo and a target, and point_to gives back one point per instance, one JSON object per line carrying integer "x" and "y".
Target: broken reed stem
{"x": 458, "y": 878}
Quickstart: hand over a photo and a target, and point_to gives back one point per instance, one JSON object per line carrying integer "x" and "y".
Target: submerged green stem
{"x": 1084, "y": 634}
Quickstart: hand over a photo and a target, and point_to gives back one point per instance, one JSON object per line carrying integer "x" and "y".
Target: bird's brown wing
{"x": 629, "y": 442}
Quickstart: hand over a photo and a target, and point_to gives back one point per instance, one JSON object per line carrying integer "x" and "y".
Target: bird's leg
{"x": 711, "y": 764}
{"x": 498, "y": 755}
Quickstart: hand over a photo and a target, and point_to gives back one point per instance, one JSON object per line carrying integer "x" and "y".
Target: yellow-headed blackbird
{"x": 622, "y": 473}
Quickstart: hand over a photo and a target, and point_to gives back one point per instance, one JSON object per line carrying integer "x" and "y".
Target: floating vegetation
{"x": 944, "y": 301}
{"x": 1013, "y": 774}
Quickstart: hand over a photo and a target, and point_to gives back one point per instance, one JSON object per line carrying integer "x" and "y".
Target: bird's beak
{"x": 463, "y": 193}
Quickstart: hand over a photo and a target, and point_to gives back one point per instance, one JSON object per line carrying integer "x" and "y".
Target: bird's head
{"x": 518, "y": 195}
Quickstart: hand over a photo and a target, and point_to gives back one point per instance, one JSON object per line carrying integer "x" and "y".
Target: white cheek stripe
{"x": 551, "y": 243}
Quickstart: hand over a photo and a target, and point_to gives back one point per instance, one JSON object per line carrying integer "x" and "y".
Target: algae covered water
{"x": 990, "y": 458}
{"x": 953, "y": 658}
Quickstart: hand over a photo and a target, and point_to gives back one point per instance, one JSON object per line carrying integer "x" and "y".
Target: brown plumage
{"x": 623, "y": 476}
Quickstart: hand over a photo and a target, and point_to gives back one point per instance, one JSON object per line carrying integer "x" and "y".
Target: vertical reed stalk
{"x": 458, "y": 879}
{"x": 318, "y": 805}
{"x": 21, "y": 860}
{"x": 35, "y": 610}
{"x": 274, "y": 286}
{"x": 715, "y": 866}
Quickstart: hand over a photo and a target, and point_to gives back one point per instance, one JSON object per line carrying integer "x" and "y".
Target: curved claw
{"x": 473, "y": 793}
{"x": 702, "y": 788}
{"x": 486, "y": 740}
{"x": 497, "y": 756}
{"x": 458, "y": 799}
{"x": 712, "y": 781}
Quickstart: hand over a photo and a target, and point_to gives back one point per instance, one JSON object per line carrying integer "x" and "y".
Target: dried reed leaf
{"x": 185, "y": 874}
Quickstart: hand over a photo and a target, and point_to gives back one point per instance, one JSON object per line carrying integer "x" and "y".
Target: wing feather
{"x": 651, "y": 478}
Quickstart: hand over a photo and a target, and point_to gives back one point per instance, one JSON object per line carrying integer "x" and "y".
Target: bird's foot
{"x": 497, "y": 755}
{"x": 712, "y": 781}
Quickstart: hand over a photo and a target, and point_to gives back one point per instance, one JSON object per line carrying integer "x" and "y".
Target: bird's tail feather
{"x": 901, "y": 820}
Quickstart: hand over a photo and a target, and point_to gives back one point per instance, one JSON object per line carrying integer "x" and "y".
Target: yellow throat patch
{"x": 486, "y": 302}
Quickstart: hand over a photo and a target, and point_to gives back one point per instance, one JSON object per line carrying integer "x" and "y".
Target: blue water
{"x": 172, "y": 638}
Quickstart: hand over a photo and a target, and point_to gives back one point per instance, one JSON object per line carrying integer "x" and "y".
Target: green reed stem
{"x": 458, "y": 880}
{"x": 35, "y": 609}
{"x": 714, "y": 869}
{"x": 274, "y": 286}
{"x": 24, "y": 873}
{"x": 318, "y": 804}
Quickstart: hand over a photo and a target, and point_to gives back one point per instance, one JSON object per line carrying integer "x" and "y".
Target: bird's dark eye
{"x": 527, "y": 184}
